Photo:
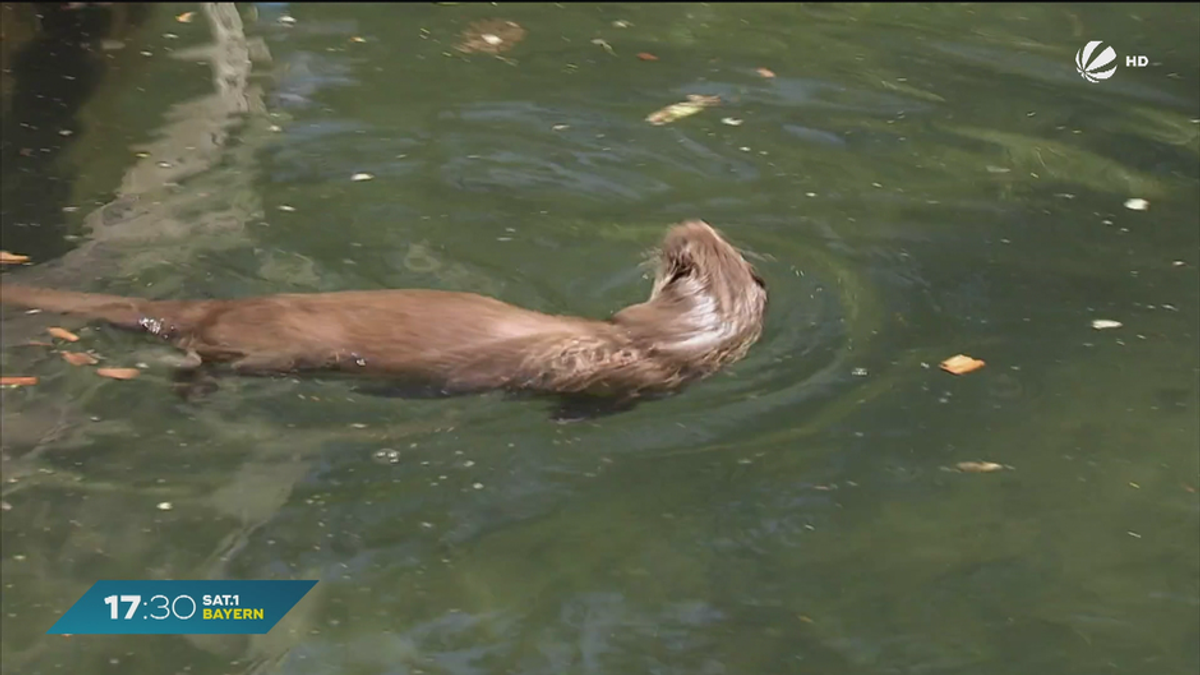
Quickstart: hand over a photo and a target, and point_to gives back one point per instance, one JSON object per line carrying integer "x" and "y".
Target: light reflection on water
{"x": 800, "y": 512}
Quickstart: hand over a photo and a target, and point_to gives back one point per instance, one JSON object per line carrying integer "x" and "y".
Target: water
{"x": 915, "y": 182}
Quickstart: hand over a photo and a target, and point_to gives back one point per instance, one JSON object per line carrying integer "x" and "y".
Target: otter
{"x": 706, "y": 308}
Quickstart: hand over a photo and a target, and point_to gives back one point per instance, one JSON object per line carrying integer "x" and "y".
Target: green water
{"x": 915, "y": 182}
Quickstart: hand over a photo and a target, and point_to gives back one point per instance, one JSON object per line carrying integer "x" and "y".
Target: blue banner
{"x": 181, "y": 607}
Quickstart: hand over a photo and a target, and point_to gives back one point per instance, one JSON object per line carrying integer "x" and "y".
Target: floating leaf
{"x": 18, "y": 381}
{"x": 1101, "y": 324}
{"x": 647, "y": 56}
{"x": 118, "y": 373}
{"x": 902, "y": 88}
{"x": 765, "y": 72}
{"x": 491, "y": 36}
{"x": 80, "y": 359}
{"x": 694, "y": 104}
{"x": 358, "y": 39}
{"x": 361, "y": 177}
{"x": 979, "y": 467}
{"x": 7, "y": 258}
{"x": 186, "y": 17}
{"x": 1137, "y": 204}
{"x": 604, "y": 43}
{"x": 62, "y": 334}
{"x": 961, "y": 364}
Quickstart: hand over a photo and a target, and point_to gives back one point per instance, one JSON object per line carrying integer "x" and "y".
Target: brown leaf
{"x": 62, "y": 334}
{"x": 961, "y": 364}
{"x": 647, "y": 56}
{"x": 979, "y": 467}
{"x": 186, "y": 17}
{"x": 80, "y": 359}
{"x": 118, "y": 373}
{"x": 765, "y": 72}
{"x": 491, "y": 36}
{"x": 7, "y": 258}
{"x": 17, "y": 381}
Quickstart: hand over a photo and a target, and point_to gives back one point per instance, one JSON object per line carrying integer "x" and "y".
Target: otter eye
{"x": 758, "y": 280}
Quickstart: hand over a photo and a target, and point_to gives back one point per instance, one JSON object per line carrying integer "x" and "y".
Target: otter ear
{"x": 680, "y": 262}
{"x": 758, "y": 279}
{"x": 681, "y": 269}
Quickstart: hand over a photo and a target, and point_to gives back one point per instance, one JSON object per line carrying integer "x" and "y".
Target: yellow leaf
{"x": 961, "y": 364}
{"x": 79, "y": 359}
{"x": 118, "y": 373}
{"x": 979, "y": 467}
{"x": 676, "y": 111}
{"x": 62, "y": 334}
{"x": 17, "y": 381}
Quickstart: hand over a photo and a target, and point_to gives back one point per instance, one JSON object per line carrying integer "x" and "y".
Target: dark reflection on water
{"x": 53, "y": 75}
{"x": 915, "y": 182}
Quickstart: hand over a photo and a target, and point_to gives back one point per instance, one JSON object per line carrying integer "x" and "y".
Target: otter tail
{"x": 117, "y": 310}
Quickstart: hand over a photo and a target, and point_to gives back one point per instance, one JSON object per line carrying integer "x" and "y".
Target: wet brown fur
{"x": 705, "y": 310}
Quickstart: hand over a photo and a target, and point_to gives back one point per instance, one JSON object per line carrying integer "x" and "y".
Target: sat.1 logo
{"x": 1097, "y": 67}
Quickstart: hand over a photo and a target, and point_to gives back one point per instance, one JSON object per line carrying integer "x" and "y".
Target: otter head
{"x": 707, "y": 305}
